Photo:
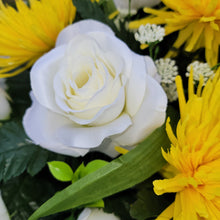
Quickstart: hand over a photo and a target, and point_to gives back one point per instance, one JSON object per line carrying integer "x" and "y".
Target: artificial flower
{"x": 92, "y": 87}
{"x": 5, "y": 108}
{"x": 200, "y": 68}
{"x": 168, "y": 70}
{"x": 195, "y": 154}
{"x": 29, "y": 32}
{"x": 135, "y": 4}
{"x": 96, "y": 214}
{"x": 149, "y": 33}
{"x": 198, "y": 23}
{"x": 3, "y": 211}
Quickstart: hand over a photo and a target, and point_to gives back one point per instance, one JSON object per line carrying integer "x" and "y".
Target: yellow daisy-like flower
{"x": 29, "y": 32}
{"x": 195, "y": 153}
{"x": 198, "y": 22}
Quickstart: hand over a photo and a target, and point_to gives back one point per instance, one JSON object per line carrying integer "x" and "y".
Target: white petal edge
{"x": 91, "y": 137}
{"x": 96, "y": 214}
{"x": 42, "y": 75}
{"x": 41, "y": 124}
{"x": 150, "y": 116}
{"x": 58, "y": 134}
{"x": 81, "y": 27}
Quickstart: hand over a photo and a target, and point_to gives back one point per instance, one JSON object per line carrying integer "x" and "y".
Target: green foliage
{"x": 148, "y": 205}
{"x": 24, "y": 194}
{"x": 92, "y": 167}
{"x": 121, "y": 203}
{"x": 18, "y": 154}
{"x": 89, "y": 10}
{"x": 135, "y": 166}
{"x": 18, "y": 89}
{"x": 61, "y": 170}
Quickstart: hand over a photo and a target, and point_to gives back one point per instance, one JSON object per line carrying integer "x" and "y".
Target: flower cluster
{"x": 78, "y": 88}
{"x": 168, "y": 71}
{"x": 149, "y": 33}
{"x": 200, "y": 69}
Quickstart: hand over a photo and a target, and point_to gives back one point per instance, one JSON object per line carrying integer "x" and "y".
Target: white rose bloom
{"x": 96, "y": 214}
{"x": 135, "y": 4}
{"x": 5, "y": 108}
{"x": 3, "y": 210}
{"x": 91, "y": 88}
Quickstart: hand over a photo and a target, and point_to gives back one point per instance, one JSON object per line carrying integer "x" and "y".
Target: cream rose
{"x": 92, "y": 88}
{"x": 5, "y": 108}
{"x": 96, "y": 214}
{"x": 135, "y": 4}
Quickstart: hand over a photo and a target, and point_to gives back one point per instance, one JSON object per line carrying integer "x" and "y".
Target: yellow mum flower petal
{"x": 29, "y": 32}
{"x": 198, "y": 23}
{"x": 195, "y": 154}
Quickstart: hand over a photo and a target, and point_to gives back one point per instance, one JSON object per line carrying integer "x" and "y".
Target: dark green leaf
{"x": 18, "y": 89}
{"x": 120, "y": 204}
{"x": 122, "y": 173}
{"x": 17, "y": 153}
{"x": 24, "y": 194}
{"x": 89, "y": 10}
{"x": 148, "y": 204}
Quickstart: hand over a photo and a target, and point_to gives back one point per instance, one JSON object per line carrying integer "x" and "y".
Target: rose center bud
{"x": 88, "y": 86}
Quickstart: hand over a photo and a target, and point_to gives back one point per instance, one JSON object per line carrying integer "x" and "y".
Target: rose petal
{"x": 96, "y": 214}
{"x": 57, "y": 133}
{"x": 42, "y": 75}
{"x": 135, "y": 89}
{"x": 151, "y": 68}
{"x": 150, "y": 116}
{"x": 81, "y": 27}
{"x": 90, "y": 137}
{"x": 41, "y": 125}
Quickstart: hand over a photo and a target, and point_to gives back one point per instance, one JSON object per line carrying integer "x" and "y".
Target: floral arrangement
{"x": 109, "y": 110}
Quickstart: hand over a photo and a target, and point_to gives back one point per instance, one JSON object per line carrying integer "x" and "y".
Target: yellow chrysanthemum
{"x": 195, "y": 153}
{"x": 28, "y": 32}
{"x": 197, "y": 20}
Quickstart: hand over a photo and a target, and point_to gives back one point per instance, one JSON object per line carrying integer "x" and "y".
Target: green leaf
{"x": 122, "y": 173}
{"x": 24, "y": 194}
{"x": 18, "y": 89}
{"x": 18, "y": 154}
{"x": 98, "y": 204}
{"x": 61, "y": 170}
{"x": 148, "y": 205}
{"x": 120, "y": 203}
{"x": 92, "y": 167}
{"x": 88, "y": 10}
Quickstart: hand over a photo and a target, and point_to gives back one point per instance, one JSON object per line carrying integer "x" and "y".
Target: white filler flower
{"x": 96, "y": 214}
{"x": 168, "y": 71}
{"x": 92, "y": 87}
{"x": 135, "y": 4}
{"x": 5, "y": 108}
{"x": 3, "y": 211}
{"x": 149, "y": 33}
{"x": 200, "y": 68}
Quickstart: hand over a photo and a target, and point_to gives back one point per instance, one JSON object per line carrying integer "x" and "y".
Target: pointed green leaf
{"x": 97, "y": 204}
{"x": 92, "y": 167}
{"x": 61, "y": 171}
{"x": 122, "y": 173}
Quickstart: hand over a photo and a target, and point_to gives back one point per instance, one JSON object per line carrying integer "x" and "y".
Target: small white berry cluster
{"x": 149, "y": 33}
{"x": 168, "y": 71}
{"x": 200, "y": 68}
